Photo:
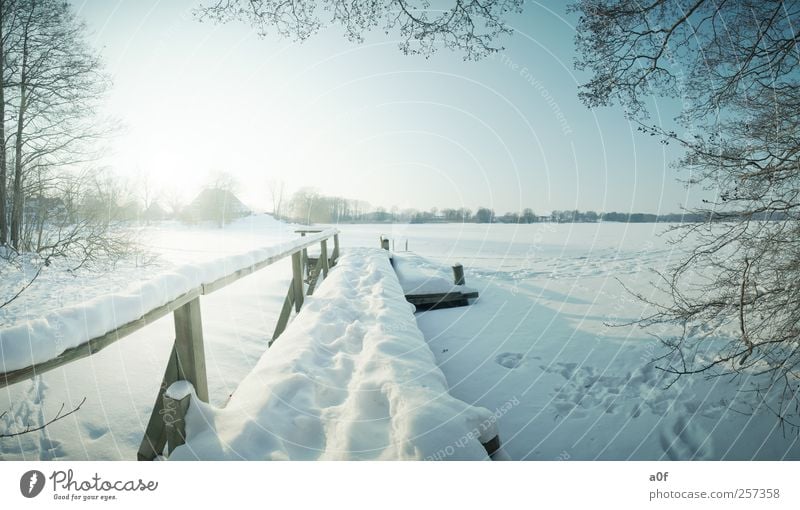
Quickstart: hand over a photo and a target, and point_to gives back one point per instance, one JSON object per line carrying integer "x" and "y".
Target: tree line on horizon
{"x": 310, "y": 206}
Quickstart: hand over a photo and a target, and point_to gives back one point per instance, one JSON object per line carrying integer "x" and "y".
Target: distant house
{"x": 214, "y": 204}
{"x": 154, "y": 213}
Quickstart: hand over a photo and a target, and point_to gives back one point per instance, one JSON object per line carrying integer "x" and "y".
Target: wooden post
{"x": 384, "y": 243}
{"x": 323, "y": 255}
{"x": 458, "y": 274}
{"x": 297, "y": 280}
{"x": 335, "y": 255}
{"x": 176, "y": 404}
{"x": 189, "y": 347}
{"x": 406, "y": 244}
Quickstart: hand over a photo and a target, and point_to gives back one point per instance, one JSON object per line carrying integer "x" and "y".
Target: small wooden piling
{"x": 385, "y": 244}
{"x": 458, "y": 274}
{"x": 175, "y": 409}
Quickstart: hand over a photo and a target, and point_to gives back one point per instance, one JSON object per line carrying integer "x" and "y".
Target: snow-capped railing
{"x": 30, "y": 349}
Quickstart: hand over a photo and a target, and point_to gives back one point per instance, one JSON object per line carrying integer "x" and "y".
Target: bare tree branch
{"x": 60, "y": 415}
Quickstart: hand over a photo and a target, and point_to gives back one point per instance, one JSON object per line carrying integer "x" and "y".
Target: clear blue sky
{"x": 367, "y": 122}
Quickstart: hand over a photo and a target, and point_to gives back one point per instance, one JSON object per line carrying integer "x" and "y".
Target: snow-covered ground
{"x": 535, "y": 348}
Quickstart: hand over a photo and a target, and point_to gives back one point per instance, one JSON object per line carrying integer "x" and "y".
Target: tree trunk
{"x": 18, "y": 199}
{"x": 3, "y": 176}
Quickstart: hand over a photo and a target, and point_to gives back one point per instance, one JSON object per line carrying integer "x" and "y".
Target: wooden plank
{"x": 189, "y": 347}
{"x": 425, "y": 299}
{"x": 95, "y": 344}
{"x": 297, "y": 280}
{"x": 155, "y": 435}
{"x": 286, "y": 311}
{"x": 441, "y": 298}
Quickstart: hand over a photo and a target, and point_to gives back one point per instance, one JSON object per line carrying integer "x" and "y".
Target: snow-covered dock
{"x": 350, "y": 378}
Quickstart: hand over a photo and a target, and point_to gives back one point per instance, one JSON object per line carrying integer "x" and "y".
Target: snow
{"x": 43, "y": 339}
{"x": 351, "y": 378}
{"x": 179, "y": 390}
{"x": 534, "y": 349}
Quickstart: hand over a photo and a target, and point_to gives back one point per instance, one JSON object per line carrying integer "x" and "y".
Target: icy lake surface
{"x": 538, "y": 348}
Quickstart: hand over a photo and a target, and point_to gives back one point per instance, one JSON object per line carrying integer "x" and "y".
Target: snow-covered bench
{"x": 350, "y": 378}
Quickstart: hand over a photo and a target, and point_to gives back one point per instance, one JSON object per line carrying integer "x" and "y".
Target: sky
{"x": 364, "y": 121}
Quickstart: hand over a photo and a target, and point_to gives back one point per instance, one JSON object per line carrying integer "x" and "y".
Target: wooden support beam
{"x": 286, "y": 311}
{"x": 312, "y": 281}
{"x": 155, "y": 435}
{"x": 297, "y": 280}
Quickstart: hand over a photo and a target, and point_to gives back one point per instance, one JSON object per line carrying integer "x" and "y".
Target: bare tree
{"x": 56, "y": 85}
{"x": 735, "y": 67}
{"x": 468, "y": 26}
{"x": 277, "y": 191}
{"x": 5, "y": 24}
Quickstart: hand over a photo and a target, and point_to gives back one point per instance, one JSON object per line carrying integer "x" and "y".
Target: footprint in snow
{"x": 509, "y": 360}
{"x": 95, "y": 431}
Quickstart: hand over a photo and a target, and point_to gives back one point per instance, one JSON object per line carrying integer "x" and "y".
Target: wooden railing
{"x": 187, "y": 358}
